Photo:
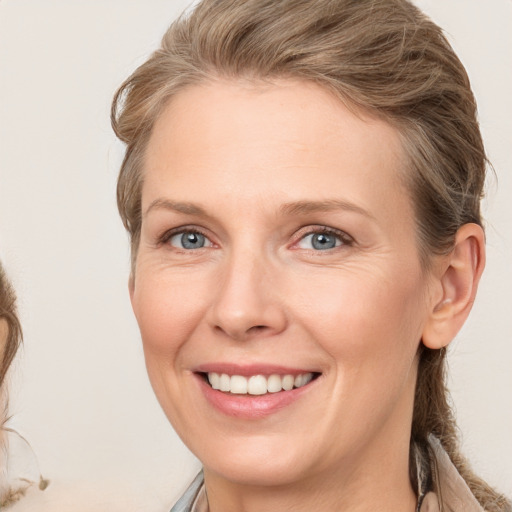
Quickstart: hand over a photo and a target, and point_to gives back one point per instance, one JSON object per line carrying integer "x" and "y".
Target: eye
{"x": 189, "y": 240}
{"x": 321, "y": 240}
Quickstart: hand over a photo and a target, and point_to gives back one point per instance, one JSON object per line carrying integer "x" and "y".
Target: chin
{"x": 266, "y": 464}
{"x": 257, "y": 475}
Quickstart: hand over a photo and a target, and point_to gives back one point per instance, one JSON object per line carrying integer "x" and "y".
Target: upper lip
{"x": 247, "y": 370}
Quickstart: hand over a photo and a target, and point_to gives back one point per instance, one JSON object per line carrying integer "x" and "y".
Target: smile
{"x": 257, "y": 384}
{"x": 254, "y": 391}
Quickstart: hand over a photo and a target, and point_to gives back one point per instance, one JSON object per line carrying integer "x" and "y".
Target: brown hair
{"x": 9, "y": 343}
{"x": 8, "y": 313}
{"x": 9, "y": 494}
{"x": 382, "y": 56}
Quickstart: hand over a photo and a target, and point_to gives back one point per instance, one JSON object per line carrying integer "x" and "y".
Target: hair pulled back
{"x": 381, "y": 56}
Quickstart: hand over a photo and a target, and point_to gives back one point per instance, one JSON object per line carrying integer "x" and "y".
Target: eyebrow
{"x": 185, "y": 208}
{"x": 293, "y": 208}
{"x": 305, "y": 207}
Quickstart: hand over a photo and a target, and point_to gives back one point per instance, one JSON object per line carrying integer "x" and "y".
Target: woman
{"x": 10, "y": 337}
{"x": 301, "y": 185}
{"x": 13, "y": 483}
{"x": 10, "y": 330}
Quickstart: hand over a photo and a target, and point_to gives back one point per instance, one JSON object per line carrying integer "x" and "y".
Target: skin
{"x": 4, "y": 331}
{"x": 259, "y": 168}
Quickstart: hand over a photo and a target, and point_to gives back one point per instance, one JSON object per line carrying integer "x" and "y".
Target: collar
{"x": 194, "y": 498}
{"x": 450, "y": 489}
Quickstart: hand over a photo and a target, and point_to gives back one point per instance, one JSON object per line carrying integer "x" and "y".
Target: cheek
{"x": 167, "y": 311}
{"x": 365, "y": 320}
{"x": 370, "y": 330}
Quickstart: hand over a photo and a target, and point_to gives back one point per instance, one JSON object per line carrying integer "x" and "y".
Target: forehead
{"x": 286, "y": 136}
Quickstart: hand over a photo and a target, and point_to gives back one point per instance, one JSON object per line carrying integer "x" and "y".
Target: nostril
{"x": 257, "y": 328}
{"x": 243, "y": 334}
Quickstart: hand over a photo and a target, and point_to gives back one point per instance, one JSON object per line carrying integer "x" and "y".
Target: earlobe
{"x": 458, "y": 279}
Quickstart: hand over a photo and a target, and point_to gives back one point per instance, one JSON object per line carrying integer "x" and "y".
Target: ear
{"x": 457, "y": 277}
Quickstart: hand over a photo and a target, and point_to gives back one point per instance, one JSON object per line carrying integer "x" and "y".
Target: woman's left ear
{"x": 457, "y": 281}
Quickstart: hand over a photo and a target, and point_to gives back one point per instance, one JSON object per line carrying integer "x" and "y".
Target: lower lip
{"x": 251, "y": 406}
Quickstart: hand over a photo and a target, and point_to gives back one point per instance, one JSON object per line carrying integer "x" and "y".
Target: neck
{"x": 356, "y": 487}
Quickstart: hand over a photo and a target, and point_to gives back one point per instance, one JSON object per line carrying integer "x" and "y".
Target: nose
{"x": 248, "y": 302}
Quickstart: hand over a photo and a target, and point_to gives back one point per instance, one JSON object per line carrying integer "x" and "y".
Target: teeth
{"x": 257, "y": 384}
{"x": 238, "y": 385}
{"x": 288, "y": 381}
{"x": 274, "y": 384}
{"x": 214, "y": 379}
{"x": 224, "y": 382}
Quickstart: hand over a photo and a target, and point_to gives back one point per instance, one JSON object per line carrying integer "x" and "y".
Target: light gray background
{"x": 79, "y": 390}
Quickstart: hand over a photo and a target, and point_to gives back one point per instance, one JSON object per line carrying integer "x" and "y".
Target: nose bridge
{"x": 247, "y": 301}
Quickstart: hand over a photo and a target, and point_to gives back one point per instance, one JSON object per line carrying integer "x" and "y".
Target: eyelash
{"x": 343, "y": 237}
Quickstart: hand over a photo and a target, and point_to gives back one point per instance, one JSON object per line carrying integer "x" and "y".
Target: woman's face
{"x": 278, "y": 250}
